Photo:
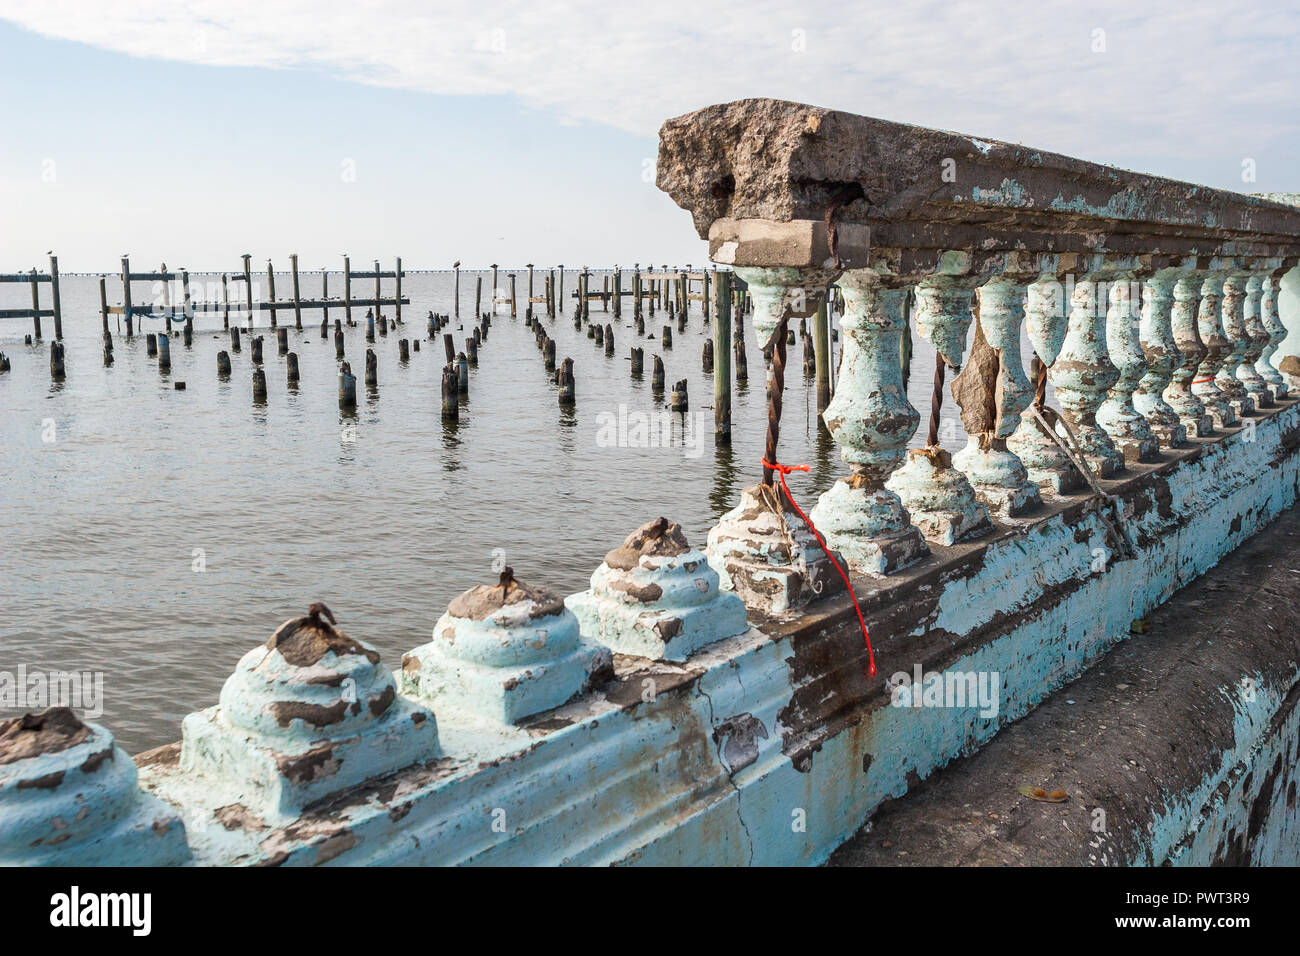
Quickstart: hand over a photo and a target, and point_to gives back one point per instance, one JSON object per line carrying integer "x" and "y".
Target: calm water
{"x": 385, "y": 522}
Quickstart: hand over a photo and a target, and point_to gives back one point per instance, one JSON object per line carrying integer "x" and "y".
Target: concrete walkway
{"x": 1148, "y": 724}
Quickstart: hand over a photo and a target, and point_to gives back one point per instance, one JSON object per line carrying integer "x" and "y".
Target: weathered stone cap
{"x": 661, "y": 538}
{"x": 765, "y": 159}
{"x": 484, "y": 600}
{"x": 51, "y": 731}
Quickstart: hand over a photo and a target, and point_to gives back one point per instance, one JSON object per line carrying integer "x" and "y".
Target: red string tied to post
{"x": 782, "y": 471}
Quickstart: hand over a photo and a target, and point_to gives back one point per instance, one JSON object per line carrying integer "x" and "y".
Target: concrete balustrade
{"x": 690, "y": 704}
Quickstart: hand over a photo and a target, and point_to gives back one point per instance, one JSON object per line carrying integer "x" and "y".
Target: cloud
{"x": 1097, "y": 81}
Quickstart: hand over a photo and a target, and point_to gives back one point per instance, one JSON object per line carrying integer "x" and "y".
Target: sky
{"x": 526, "y": 131}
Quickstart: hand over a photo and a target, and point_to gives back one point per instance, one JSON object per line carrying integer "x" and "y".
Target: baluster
{"x": 1045, "y": 325}
{"x": 939, "y": 497}
{"x": 1156, "y": 338}
{"x": 1276, "y": 333}
{"x": 761, "y": 549}
{"x": 872, "y": 420}
{"x": 1123, "y": 422}
{"x": 1248, "y": 372}
{"x": 1209, "y": 323}
{"x": 1191, "y": 411}
{"x": 992, "y": 391}
{"x": 1082, "y": 375}
{"x": 1232, "y": 308}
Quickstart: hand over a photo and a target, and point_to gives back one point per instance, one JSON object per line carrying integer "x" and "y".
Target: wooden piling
{"x": 638, "y": 361}
{"x": 223, "y": 364}
{"x": 164, "y": 353}
{"x": 450, "y": 390}
{"x": 478, "y": 295}
{"x": 126, "y": 295}
{"x": 56, "y": 360}
{"x": 679, "y": 401}
{"x": 36, "y": 305}
{"x": 55, "y": 302}
{"x": 225, "y": 301}
{"x": 151, "y": 345}
{"x": 282, "y": 340}
{"x": 560, "y": 267}
{"x": 248, "y": 286}
{"x": 567, "y": 391}
{"x": 103, "y": 303}
{"x": 297, "y": 299}
{"x": 548, "y": 354}
{"x": 462, "y": 374}
{"x": 347, "y": 293}
{"x": 706, "y": 358}
{"x": 667, "y": 339}
{"x": 291, "y": 369}
{"x": 234, "y": 338}
{"x": 257, "y": 349}
{"x": 378, "y": 296}
{"x": 456, "y": 293}
{"x": 397, "y": 295}
{"x": 821, "y": 349}
{"x": 450, "y": 347}
{"x": 372, "y": 369}
{"x": 270, "y": 289}
{"x": 403, "y": 350}
{"x": 187, "y": 332}
{"x": 721, "y": 341}
{"x": 259, "y": 385}
{"x": 609, "y": 340}
{"x": 347, "y": 383}
{"x": 657, "y": 375}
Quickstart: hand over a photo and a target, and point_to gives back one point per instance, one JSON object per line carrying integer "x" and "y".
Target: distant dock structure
{"x": 36, "y": 313}
{"x": 187, "y": 308}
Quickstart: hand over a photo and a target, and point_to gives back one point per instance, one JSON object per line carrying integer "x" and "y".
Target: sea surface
{"x": 154, "y": 536}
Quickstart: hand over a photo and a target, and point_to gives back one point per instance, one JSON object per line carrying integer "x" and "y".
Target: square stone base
{"x": 949, "y": 527}
{"x": 1202, "y": 427}
{"x": 1146, "y": 449}
{"x": 1170, "y": 436}
{"x": 1009, "y": 502}
{"x": 1059, "y": 481}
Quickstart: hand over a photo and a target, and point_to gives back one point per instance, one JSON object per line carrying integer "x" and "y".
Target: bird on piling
{"x": 318, "y": 610}
{"x": 507, "y": 579}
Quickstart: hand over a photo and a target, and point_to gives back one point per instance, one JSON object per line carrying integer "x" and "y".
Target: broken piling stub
{"x": 657, "y": 597}
{"x": 310, "y": 712}
{"x": 505, "y": 652}
{"x": 68, "y": 797}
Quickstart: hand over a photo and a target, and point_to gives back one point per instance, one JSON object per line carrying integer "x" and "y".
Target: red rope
{"x": 782, "y": 471}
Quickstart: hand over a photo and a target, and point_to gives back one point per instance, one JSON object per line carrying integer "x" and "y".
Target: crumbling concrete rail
{"x": 1167, "y": 751}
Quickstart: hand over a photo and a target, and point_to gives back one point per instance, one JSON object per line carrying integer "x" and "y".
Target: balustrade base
{"x": 1000, "y": 480}
{"x": 769, "y": 557}
{"x": 1045, "y": 463}
{"x": 1140, "y": 449}
{"x": 869, "y": 527}
{"x": 939, "y": 498}
{"x": 1242, "y": 407}
{"x": 1169, "y": 436}
{"x": 1263, "y": 397}
{"x": 1201, "y": 426}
